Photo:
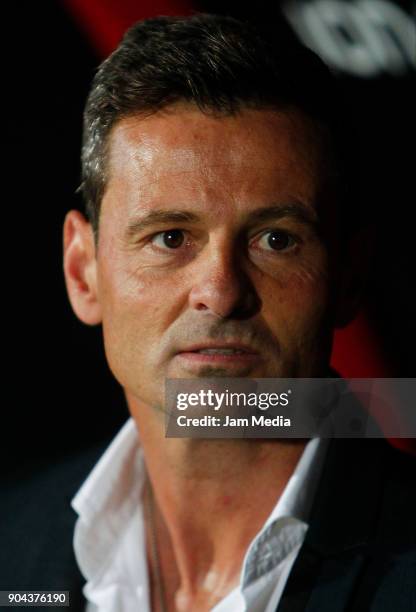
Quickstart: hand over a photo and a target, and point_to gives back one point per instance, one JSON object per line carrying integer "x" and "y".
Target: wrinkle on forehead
{"x": 181, "y": 155}
{"x": 139, "y": 140}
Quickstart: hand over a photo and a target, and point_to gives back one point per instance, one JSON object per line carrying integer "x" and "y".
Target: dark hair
{"x": 219, "y": 63}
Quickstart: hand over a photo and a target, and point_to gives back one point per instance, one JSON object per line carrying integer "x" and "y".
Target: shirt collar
{"x": 107, "y": 501}
{"x": 111, "y": 494}
{"x": 287, "y": 524}
{"x": 121, "y": 465}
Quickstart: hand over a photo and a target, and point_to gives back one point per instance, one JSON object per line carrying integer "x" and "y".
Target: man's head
{"x": 218, "y": 64}
{"x": 212, "y": 173}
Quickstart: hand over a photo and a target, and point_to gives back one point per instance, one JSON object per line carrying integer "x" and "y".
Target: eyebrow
{"x": 294, "y": 210}
{"x": 160, "y": 216}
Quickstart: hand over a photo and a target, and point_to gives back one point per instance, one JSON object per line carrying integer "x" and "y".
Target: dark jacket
{"x": 359, "y": 554}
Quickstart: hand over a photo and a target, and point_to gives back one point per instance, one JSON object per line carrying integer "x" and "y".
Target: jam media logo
{"x": 365, "y": 38}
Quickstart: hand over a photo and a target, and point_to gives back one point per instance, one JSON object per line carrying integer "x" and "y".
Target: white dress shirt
{"x": 109, "y": 537}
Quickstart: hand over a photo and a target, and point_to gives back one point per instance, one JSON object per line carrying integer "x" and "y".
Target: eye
{"x": 276, "y": 240}
{"x": 170, "y": 239}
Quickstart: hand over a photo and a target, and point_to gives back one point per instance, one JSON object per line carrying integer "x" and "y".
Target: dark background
{"x": 58, "y": 394}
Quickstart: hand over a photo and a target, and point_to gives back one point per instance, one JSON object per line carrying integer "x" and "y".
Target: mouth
{"x": 224, "y": 353}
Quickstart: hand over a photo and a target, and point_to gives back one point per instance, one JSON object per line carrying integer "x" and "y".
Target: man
{"x": 219, "y": 243}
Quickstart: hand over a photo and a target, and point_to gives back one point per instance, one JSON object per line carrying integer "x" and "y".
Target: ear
{"x": 80, "y": 268}
{"x": 353, "y": 276}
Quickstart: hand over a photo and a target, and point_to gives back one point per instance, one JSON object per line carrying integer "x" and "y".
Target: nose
{"x": 221, "y": 287}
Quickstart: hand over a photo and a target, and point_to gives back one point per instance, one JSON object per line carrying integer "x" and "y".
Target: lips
{"x": 220, "y": 349}
{"x": 230, "y": 355}
{"x": 233, "y": 357}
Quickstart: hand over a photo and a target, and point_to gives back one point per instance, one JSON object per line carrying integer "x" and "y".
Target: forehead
{"x": 181, "y": 152}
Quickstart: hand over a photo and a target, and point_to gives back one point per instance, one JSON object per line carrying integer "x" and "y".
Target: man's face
{"x": 210, "y": 260}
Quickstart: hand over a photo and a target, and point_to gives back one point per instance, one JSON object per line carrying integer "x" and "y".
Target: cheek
{"x": 302, "y": 284}
{"x": 137, "y": 311}
{"x": 298, "y": 300}
{"x": 136, "y": 304}
{"x": 303, "y": 292}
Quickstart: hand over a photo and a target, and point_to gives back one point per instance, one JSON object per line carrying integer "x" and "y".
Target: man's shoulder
{"x": 396, "y": 520}
{"x": 37, "y": 521}
{"x": 360, "y": 550}
{"x": 371, "y": 485}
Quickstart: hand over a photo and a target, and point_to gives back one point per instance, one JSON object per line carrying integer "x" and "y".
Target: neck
{"x": 201, "y": 487}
